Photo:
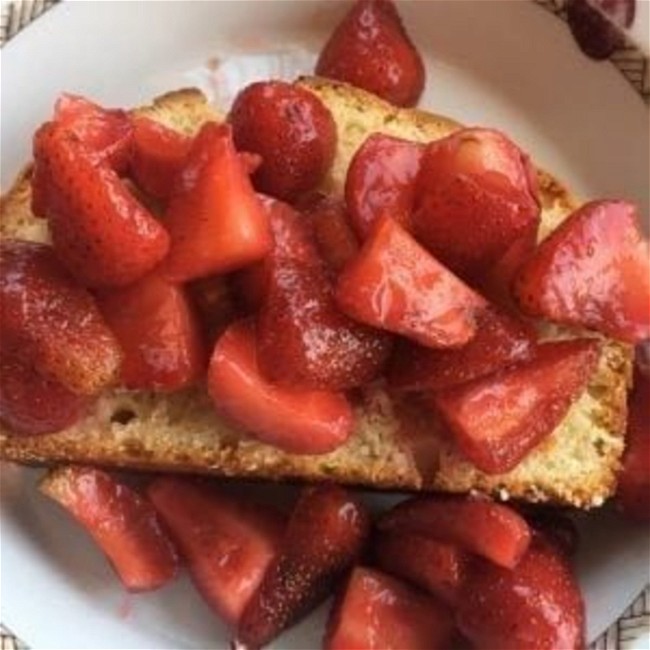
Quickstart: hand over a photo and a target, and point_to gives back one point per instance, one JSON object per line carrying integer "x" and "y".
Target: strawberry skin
{"x": 592, "y": 271}
{"x": 370, "y": 49}
{"x": 99, "y": 230}
{"x": 395, "y": 284}
{"x": 158, "y": 332}
{"x": 479, "y": 526}
{"x": 216, "y": 222}
{"x": 123, "y": 523}
{"x": 227, "y": 542}
{"x": 497, "y": 420}
{"x": 326, "y": 533}
{"x": 535, "y": 606}
{"x": 53, "y": 323}
{"x": 378, "y": 612}
{"x": 381, "y": 180}
{"x": 501, "y": 340}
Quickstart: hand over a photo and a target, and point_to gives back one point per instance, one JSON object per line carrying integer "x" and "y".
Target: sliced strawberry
{"x": 499, "y": 419}
{"x": 378, "y": 612}
{"x": 158, "y": 156}
{"x": 535, "y": 605}
{"x": 396, "y": 285}
{"x": 293, "y": 132}
{"x": 158, "y": 332}
{"x": 500, "y": 341}
{"x": 326, "y": 533}
{"x": 480, "y": 526}
{"x": 53, "y": 323}
{"x": 371, "y": 49}
{"x": 124, "y": 524}
{"x": 297, "y": 421}
{"x": 227, "y": 542}
{"x": 99, "y": 230}
{"x": 215, "y": 304}
{"x": 216, "y": 221}
{"x": 592, "y": 271}
{"x": 633, "y": 494}
{"x": 30, "y": 403}
{"x": 476, "y": 195}
{"x": 434, "y": 566}
{"x": 381, "y": 180}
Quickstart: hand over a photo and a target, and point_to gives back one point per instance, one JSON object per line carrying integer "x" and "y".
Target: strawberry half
{"x": 215, "y": 220}
{"x": 378, "y": 612}
{"x": 124, "y": 524}
{"x": 370, "y": 49}
{"x": 32, "y": 404}
{"x": 479, "y": 526}
{"x": 326, "y": 533}
{"x": 501, "y": 340}
{"x": 227, "y": 542}
{"x": 52, "y": 323}
{"x": 434, "y": 566}
{"x": 94, "y": 220}
{"x": 395, "y": 284}
{"x": 476, "y": 195}
{"x": 158, "y": 332}
{"x": 297, "y": 421}
{"x": 535, "y": 605}
{"x": 381, "y": 180}
{"x": 497, "y": 420}
{"x": 592, "y": 271}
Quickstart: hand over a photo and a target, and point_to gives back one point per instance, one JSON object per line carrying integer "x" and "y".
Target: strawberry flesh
{"x": 592, "y": 271}
{"x": 381, "y": 180}
{"x": 498, "y": 420}
{"x": 158, "y": 332}
{"x": 227, "y": 542}
{"x": 326, "y": 533}
{"x": 379, "y": 612}
{"x": 51, "y": 322}
{"x": 294, "y": 420}
{"x": 395, "y": 284}
{"x": 371, "y": 49}
{"x": 535, "y": 605}
{"x": 215, "y": 220}
{"x": 123, "y": 523}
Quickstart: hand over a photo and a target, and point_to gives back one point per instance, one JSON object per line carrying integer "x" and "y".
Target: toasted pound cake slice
{"x": 575, "y": 466}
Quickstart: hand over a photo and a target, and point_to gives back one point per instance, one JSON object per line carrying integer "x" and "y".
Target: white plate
{"x": 504, "y": 64}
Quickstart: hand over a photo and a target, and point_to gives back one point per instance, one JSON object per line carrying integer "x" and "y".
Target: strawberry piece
{"x": 215, "y": 304}
{"x": 371, "y": 49}
{"x": 500, "y": 340}
{"x": 381, "y": 180}
{"x": 158, "y": 332}
{"x": 297, "y": 421}
{"x": 497, "y": 420}
{"x": 479, "y": 526}
{"x": 215, "y": 220}
{"x": 535, "y": 605}
{"x": 633, "y": 495}
{"x": 51, "y": 322}
{"x": 335, "y": 240}
{"x": 592, "y": 271}
{"x": 293, "y": 132}
{"x": 159, "y": 154}
{"x": 94, "y": 219}
{"x": 124, "y": 524}
{"x": 476, "y": 195}
{"x": 396, "y": 285}
{"x": 326, "y": 533}
{"x": 434, "y": 566}
{"x": 32, "y": 404}
{"x": 227, "y": 542}
{"x": 378, "y": 612}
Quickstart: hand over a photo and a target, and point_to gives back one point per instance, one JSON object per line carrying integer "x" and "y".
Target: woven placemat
{"x": 634, "y": 66}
